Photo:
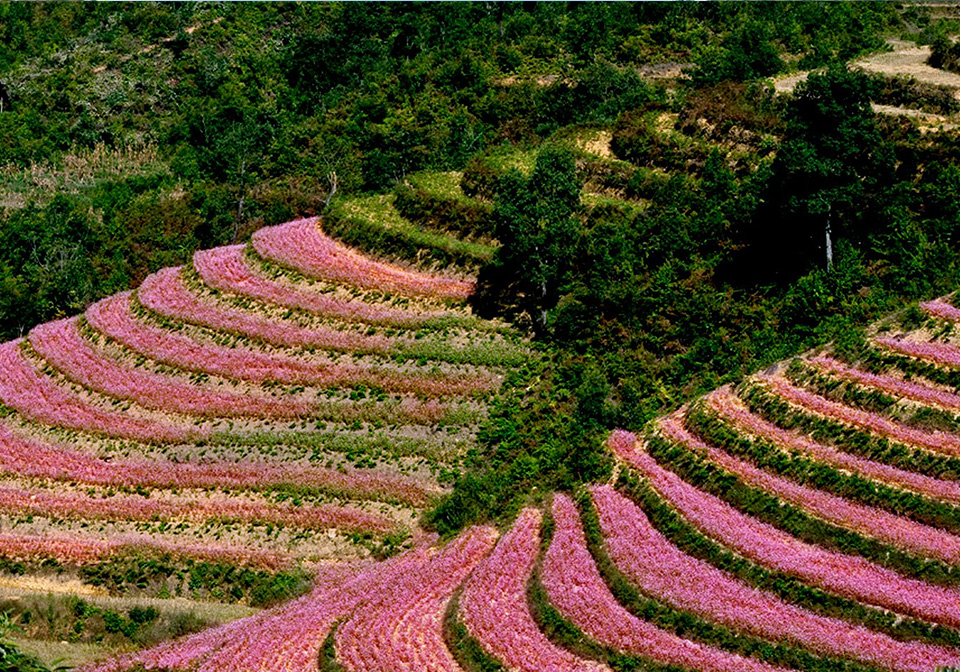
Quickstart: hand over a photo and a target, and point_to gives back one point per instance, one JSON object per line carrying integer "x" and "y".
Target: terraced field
{"x": 806, "y": 519}
{"x": 293, "y": 404}
{"x": 271, "y": 408}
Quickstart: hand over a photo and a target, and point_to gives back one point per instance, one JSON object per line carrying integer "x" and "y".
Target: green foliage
{"x": 219, "y": 580}
{"x": 944, "y": 53}
{"x": 906, "y": 91}
{"x": 745, "y": 54}
{"x": 447, "y": 211}
{"x": 13, "y": 660}
{"x": 374, "y": 225}
{"x": 535, "y": 221}
{"x": 545, "y": 432}
{"x": 828, "y": 174}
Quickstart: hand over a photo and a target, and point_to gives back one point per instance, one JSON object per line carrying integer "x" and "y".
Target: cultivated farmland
{"x": 805, "y": 519}
{"x": 233, "y": 427}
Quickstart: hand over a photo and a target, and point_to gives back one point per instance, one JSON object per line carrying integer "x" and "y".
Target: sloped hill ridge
{"x": 274, "y": 405}
{"x": 805, "y": 519}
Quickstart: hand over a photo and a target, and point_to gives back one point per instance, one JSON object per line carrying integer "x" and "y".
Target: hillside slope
{"x": 230, "y": 427}
{"x": 807, "y": 519}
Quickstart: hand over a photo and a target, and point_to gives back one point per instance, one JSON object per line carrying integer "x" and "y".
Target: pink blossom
{"x": 847, "y": 575}
{"x": 285, "y": 639}
{"x": 33, "y": 458}
{"x": 36, "y": 396}
{"x": 723, "y": 402}
{"x": 870, "y": 521}
{"x": 62, "y": 345}
{"x": 577, "y": 590}
{"x": 942, "y": 309}
{"x": 36, "y": 502}
{"x": 77, "y": 550}
{"x": 939, "y": 441}
{"x": 301, "y": 245}
{"x": 113, "y": 317}
{"x": 225, "y": 269}
{"x": 889, "y": 384}
{"x": 402, "y": 629}
{"x": 165, "y": 293}
{"x": 663, "y": 572}
{"x": 494, "y": 605}
{"x": 938, "y": 353}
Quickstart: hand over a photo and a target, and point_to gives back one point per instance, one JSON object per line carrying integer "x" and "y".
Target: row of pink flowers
{"x": 494, "y": 605}
{"x": 402, "y": 629}
{"x": 285, "y": 639}
{"x": 166, "y": 294}
{"x": 889, "y": 528}
{"x": 663, "y": 572}
{"x": 847, "y": 575}
{"x": 934, "y": 440}
{"x": 75, "y": 505}
{"x": 38, "y": 397}
{"x": 938, "y": 353}
{"x": 58, "y": 462}
{"x": 113, "y": 317}
{"x": 301, "y": 245}
{"x": 78, "y": 550}
{"x": 732, "y": 410}
{"x": 942, "y": 309}
{"x": 889, "y": 384}
{"x": 62, "y": 345}
{"x": 577, "y": 590}
{"x": 225, "y": 269}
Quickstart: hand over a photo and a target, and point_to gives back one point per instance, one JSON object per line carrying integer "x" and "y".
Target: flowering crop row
{"x": 575, "y": 587}
{"x": 225, "y": 269}
{"x": 75, "y": 505}
{"x": 165, "y": 293}
{"x": 494, "y": 605}
{"x": 301, "y": 245}
{"x": 84, "y": 550}
{"x": 662, "y": 571}
{"x": 403, "y": 629}
{"x": 723, "y": 402}
{"x": 35, "y": 459}
{"x": 62, "y": 345}
{"x": 889, "y": 384}
{"x": 291, "y": 639}
{"x": 113, "y": 317}
{"x": 872, "y": 522}
{"x": 846, "y": 575}
{"x": 938, "y": 353}
{"x": 934, "y": 440}
{"x": 285, "y": 639}
{"x": 942, "y": 309}
{"x": 36, "y": 396}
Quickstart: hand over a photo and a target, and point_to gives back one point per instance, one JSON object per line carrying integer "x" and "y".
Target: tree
{"x": 535, "y": 220}
{"x": 827, "y": 177}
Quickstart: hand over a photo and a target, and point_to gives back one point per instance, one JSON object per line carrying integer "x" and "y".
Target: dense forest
{"x": 725, "y": 227}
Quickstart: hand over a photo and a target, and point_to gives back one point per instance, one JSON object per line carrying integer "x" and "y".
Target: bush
{"x": 442, "y": 214}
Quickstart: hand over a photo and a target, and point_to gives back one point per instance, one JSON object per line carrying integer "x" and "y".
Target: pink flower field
{"x": 151, "y": 419}
{"x": 303, "y": 246}
{"x": 278, "y": 407}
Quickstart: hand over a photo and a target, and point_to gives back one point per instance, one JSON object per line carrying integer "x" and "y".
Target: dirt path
{"x": 906, "y": 59}
{"x": 910, "y": 60}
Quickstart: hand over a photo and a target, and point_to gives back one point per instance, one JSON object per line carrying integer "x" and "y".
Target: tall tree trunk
{"x": 829, "y": 241}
